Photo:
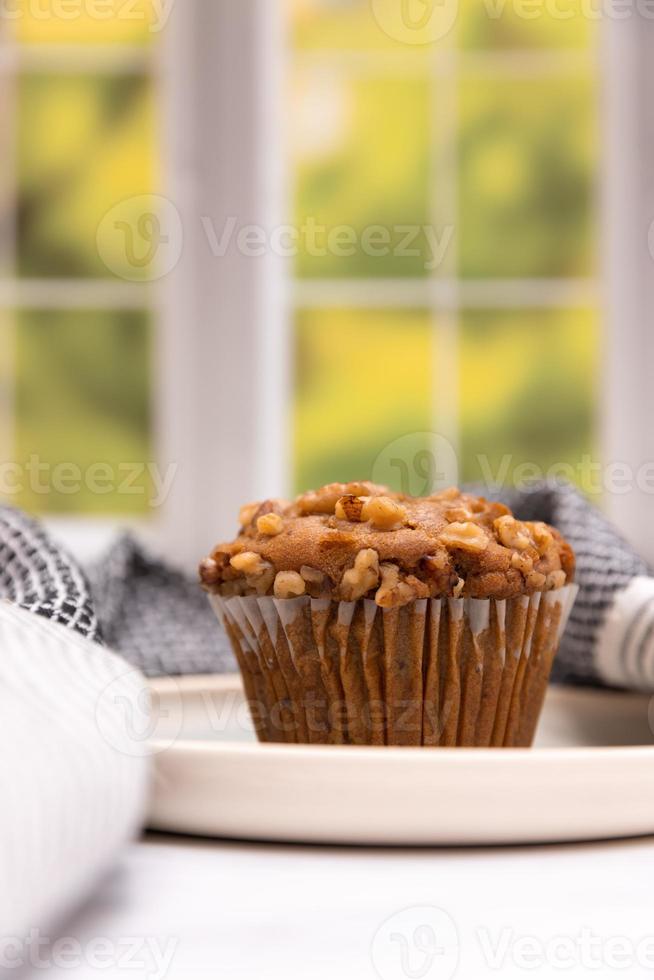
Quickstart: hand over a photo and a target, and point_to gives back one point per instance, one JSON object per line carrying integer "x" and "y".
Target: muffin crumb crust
{"x": 348, "y": 541}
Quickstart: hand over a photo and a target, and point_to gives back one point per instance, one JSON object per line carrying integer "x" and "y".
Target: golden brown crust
{"x": 349, "y": 541}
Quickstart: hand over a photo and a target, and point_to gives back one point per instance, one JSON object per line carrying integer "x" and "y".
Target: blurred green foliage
{"x": 528, "y": 383}
{"x": 83, "y": 398}
{"x": 85, "y": 143}
{"x": 362, "y": 159}
{"x": 370, "y": 145}
{"x": 362, "y": 378}
{"x": 523, "y": 163}
{"x": 526, "y": 177}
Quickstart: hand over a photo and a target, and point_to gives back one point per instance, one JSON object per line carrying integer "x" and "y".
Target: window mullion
{"x": 444, "y": 217}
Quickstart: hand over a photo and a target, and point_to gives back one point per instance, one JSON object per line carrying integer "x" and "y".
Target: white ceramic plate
{"x": 591, "y": 776}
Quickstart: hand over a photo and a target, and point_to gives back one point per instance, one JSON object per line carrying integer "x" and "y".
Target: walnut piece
{"x": 349, "y": 508}
{"x": 248, "y": 562}
{"x": 362, "y": 577}
{"x": 458, "y": 588}
{"x": 395, "y": 592}
{"x": 383, "y": 513}
{"x": 536, "y": 580}
{"x": 316, "y": 582}
{"x": 313, "y": 575}
{"x": 456, "y": 514}
{"x": 556, "y": 580}
{"x": 451, "y": 493}
{"x": 467, "y": 537}
{"x": 259, "y": 573}
{"x": 289, "y": 585}
{"x": 246, "y": 514}
{"x": 324, "y": 501}
{"x": 270, "y": 524}
{"x": 209, "y": 571}
{"x": 524, "y": 563}
{"x": 542, "y": 536}
{"x": 512, "y": 533}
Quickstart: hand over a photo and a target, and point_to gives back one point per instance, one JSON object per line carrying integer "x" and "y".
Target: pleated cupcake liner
{"x": 436, "y": 672}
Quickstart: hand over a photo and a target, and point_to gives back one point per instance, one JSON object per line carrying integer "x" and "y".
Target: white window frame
{"x": 628, "y": 270}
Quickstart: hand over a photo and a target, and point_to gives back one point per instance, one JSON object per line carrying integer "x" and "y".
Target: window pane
{"x": 361, "y": 150}
{"x": 86, "y": 144}
{"x": 419, "y": 25}
{"x": 83, "y": 412}
{"x": 6, "y": 387}
{"x": 529, "y": 382}
{"x": 105, "y": 22}
{"x": 363, "y": 25}
{"x": 527, "y": 168}
{"x": 491, "y": 24}
{"x": 348, "y": 408}
{"x": 7, "y": 201}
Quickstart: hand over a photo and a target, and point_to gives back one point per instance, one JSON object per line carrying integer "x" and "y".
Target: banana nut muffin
{"x": 349, "y": 541}
{"x": 359, "y": 616}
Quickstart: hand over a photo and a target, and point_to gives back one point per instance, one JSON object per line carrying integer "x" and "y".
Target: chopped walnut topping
{"x": 263, "y": 581}
{"x": 270, "y": 524}
{"x": 512, "y": 533}
{"x": 324, "y": 501}
{"x": 349, "y": 508}
{"x": 259, "y": 573}
{"x": 524, "y": 563}
{"x": 458, "y": 514}
{"x": 395, "y": 592}
{"x": 248, "y": 562}
{"x": 362, "y": 577}
{"x": 535, "y": 580}
{"x": 209, "y": 571}
{"x": 246, "y": 514}
{"x": 384, "y": 513}
{"x": 289, "y": 585}
{"x": 556, "y": 580}
{"x": 312, "y": 575}
{"x": 542, "y": 536}
{"x": 451, "y": 493}
{"x": 437, "y": 571}
{"x": 335, "y": 540}
{"x": 467, "y": 537}
{"x": 316, "y": 582}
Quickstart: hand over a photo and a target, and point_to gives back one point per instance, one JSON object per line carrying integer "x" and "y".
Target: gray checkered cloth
{"x": 160, "y": 620}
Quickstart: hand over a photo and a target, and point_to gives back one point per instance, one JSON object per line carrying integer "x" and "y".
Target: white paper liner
{"x": 437, "y": 672}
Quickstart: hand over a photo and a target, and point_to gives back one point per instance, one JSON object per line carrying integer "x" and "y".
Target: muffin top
{"x": 349, "y": 541}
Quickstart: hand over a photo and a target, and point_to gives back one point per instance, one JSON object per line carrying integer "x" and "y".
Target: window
{"x": 79, "y": 137}
{"x": 484, "y": 327}
{"x": 455, "y": 246}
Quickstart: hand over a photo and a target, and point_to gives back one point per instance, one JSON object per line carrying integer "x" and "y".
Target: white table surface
{"x": 270, "y": 912}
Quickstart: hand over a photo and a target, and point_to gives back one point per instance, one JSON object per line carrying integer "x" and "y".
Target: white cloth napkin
{"x": 73, "y": 767}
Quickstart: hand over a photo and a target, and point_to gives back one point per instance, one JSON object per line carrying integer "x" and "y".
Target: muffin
{"x": 359, "y": 616}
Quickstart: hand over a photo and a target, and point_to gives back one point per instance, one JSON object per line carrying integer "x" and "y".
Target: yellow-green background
{"x": 368, "y": 144}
